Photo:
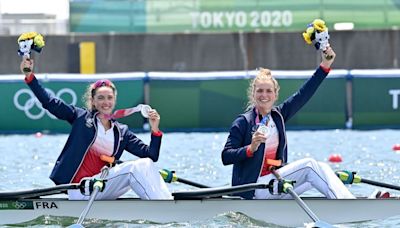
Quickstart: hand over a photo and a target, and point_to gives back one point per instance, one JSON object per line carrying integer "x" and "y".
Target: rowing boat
{"x": 280, "y": 212}
{"x": 196, "y": 205}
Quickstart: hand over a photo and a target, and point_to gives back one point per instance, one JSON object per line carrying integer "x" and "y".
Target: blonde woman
{"x": 248, "y": 148}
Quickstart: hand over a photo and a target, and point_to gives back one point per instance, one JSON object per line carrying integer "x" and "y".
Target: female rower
{"x": 249, "y": 149}
{"x": 93, "y": 136}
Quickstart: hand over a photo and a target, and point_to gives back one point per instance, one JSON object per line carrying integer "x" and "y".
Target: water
{"x": 27, "y": 161}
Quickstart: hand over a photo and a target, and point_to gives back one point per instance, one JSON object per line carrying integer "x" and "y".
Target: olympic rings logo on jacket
{"x": 25, "y": 100}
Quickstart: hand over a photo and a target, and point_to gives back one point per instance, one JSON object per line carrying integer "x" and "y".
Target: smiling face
{"x": 263, "y": 91}
{"x": 103, "y": 100}
{"x": 264, "y": 95}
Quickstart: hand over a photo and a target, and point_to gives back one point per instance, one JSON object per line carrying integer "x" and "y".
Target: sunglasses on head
{"x": 102, "y": 82}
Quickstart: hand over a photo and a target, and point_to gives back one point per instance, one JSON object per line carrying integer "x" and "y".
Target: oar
{"x": 288, "y": 188}
{"x": 170, "y": 176}
{"x": 348, "y": 177}
{"x": 97, "y": 186}
{"x": 32, "y": 193}
{"x": 167, "y": 175}
{"x": 219, "y": 191}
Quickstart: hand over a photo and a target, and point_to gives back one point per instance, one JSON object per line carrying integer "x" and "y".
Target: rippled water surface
{"x": 26, "y": 161}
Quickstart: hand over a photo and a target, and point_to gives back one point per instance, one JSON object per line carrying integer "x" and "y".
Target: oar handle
{"x": 348, "y": 177}
{"x": 111, "y": 161}
{"x": 170, "y": 176}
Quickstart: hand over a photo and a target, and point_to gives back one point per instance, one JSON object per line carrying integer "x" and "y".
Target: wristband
{"x": 29, "y": 78}
{"x": 249, "y": 154}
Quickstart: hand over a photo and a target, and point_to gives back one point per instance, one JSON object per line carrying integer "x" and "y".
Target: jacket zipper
{"x": 87, "y": 149}
{"x": 262, "y": 164}
{"x": 119, "y": 138}
{"x": 284, "y": 131}
{"x": 284, "y": 146}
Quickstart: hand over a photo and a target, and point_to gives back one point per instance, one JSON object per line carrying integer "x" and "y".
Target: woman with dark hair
{"x": 94, "y": 135}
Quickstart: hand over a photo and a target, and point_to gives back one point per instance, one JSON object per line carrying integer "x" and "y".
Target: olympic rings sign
{"x": 25, "y": 100}
{"x": 19, "y": 205}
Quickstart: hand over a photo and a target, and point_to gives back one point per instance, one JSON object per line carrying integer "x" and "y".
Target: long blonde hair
{"x": 91, "y": 91}
{"x": 262, "y": 75}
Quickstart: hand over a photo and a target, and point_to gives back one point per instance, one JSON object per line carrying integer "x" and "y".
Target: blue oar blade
{"x": 319, "y": 224}
{"x": 75, "y": 226}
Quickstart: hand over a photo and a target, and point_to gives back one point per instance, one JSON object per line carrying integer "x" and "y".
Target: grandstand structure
{"x": 15, "y": 24}
{"x": 206, "y": 16}
{"x": 193, "y": 16}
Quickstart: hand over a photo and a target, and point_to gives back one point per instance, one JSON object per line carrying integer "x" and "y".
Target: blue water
{"x": 27, "y": 160}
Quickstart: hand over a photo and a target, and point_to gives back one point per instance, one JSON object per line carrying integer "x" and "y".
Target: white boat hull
{"x": 280, "y": 212}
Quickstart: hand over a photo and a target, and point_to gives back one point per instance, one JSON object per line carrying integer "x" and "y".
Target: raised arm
{"x": 295, "y": 102}
{"x": 55, "y": 106}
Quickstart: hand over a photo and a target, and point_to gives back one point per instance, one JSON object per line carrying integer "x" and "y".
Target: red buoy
{"x": 335, "y": 158}
{"x": 38, "y": 134}
{"x": 396, "y": 147}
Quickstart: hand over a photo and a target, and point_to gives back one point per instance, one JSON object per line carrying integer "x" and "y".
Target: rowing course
{"x": 27, "y": 161}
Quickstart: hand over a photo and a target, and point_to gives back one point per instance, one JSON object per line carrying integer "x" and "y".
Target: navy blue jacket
{"x": 248, "y": 169}
{"x": 83, "y": 135}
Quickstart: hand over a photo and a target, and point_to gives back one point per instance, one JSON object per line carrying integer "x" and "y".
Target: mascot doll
{"x": 317, "y": 34}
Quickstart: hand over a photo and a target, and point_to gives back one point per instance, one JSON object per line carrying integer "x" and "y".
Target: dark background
{"x": 207, "y": 52}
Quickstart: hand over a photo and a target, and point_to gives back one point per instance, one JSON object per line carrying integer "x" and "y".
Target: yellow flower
{"x": 319, "y": 25}
{"x": 307, "y": 35}
{"x": 38, "y": 41}
{"x": 26, "y": 36}
{"x": 307, "y": 38}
